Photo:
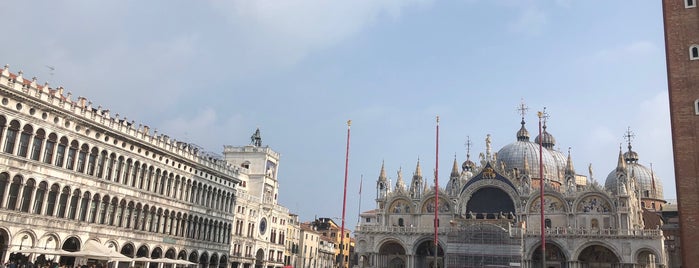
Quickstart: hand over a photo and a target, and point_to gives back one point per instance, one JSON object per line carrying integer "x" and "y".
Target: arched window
{"x": 70, "y": 163}
{"x": 63, "y": 202}
{"x": 169, "y": 185}
{"x": 83, "y": 206}
{"x": 61, "y": 152}
{"x": 113, "y": 210}
{"x": 100, "y": 164}
{"x": 127, "y": 171}
{"x": 129, "y": 215}
{"x": 103, "y": 210}
{"x": 110, "y": 165}
{"x": 39, "y": 198}
{"x": 52, "y": 198}
{"x": 120, "y": 214}
{"x": 142, "y": 176}
{"x": 137, "y": 217}
{"x": 73, "y": 207}
{"x": 14, "y": 192}
{"x": 694, "y": 52}
{"x": 147, "y": 185}
{"x": 37, "y": 143}
{"x": 94, "y": 206}
{"x": 48, "y": 150}
{"x": 547, "y": 223}
{"x": 11, "y": 136}
{"x": 155, "y": 181}
{"x": 163, "y": 182}
{"x": 4, "y": 183}
{"x": 24, "y": 139}
{"x": 92, "y": 161}
{"x": 27, "y": 194}
{"x": 119, "y": 167}
{"x": 82, "y": 156}
{"x": 134, "y": 174}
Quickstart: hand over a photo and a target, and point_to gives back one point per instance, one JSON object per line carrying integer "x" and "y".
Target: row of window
{"x": 73, "y": 204}
{"x": 36, "y": 145}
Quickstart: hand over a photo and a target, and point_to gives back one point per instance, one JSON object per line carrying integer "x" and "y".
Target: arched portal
{"x": 156, "y": 254}
{"x": 424, "y": 255}
{"x": 4, "y": 238}
{"x": 128, "y": 250}
{"x": 598, "y": 256}
{"x": 259, "y": 258}
{"x": 488, "y": 202}
{"x": 391, "y": 254}
{"x": 223, "y": 263}
{"x": 647, "y": 259}
{"x": 213, "y": 261}
{"x": 204, "y": 260}
{"x": 554, "y": 256}
{"x": 194, "y": 257}
{"x": 142, "y": 251}
{"x": 73, "y": 245}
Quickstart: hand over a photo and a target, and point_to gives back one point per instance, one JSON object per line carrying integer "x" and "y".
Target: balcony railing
{"x": 516, "y": 232}
{"x": 585, "y": 232}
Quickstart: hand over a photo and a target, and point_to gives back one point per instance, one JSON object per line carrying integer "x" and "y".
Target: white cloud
{"x": 204, "y": 128}
{"x": 284, "y": 32}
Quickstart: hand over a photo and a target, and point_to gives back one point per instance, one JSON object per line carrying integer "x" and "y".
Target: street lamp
{"x": 21, "y": 243}
{"x": 47, "y": 242}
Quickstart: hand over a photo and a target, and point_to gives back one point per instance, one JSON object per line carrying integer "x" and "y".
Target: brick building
{"x": 681, "y": 19}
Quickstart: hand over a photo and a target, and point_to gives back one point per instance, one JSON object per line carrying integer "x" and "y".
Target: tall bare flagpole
{"x": 359, "y": 212}
{"x": 541, "y": 192}
{"x": 344, "y": 199}
{"x": 436, "y": 199}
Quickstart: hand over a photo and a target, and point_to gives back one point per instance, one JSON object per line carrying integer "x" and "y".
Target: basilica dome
{"x": 649, "y": 184}
{"x": 548, "y": 142}
{"x": 514, "y": 154}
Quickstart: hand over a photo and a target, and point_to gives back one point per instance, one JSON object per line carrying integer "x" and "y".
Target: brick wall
{"x": 681, "y": 31}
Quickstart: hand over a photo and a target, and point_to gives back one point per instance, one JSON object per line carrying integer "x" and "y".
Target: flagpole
{"x": 359, "y": 211}
{"x": 344, "y": 199}
{"x": 541, "y": 194}
{"x": 436, "y": 199}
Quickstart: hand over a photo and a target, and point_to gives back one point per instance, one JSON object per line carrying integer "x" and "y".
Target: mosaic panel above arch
{"x": 428, "y": 206}
{"x": 552, "y": 204}
{"x": 593, "y": 204}
{"x": 400, "y": 206}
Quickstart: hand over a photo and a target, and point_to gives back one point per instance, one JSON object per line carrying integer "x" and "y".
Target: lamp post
{"x": 47, "y": 242}
{"x": 21, "y": 243}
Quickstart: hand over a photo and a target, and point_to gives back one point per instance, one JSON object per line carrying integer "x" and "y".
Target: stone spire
{"x": 382, "y": 185}
{"x": 416, "y": 186}
{"x": 455, "y": 168}
{"x": 400, "y": 184}
{"x": 570, "y": 170}
{"x": 621, "y": 164}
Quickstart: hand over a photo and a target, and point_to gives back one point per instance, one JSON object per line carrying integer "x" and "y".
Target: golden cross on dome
{"x": 522, "y": 108}
{"x": 628, "y": 136}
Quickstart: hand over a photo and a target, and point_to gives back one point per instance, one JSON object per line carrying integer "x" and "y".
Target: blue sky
{"x": 210, "y": 72}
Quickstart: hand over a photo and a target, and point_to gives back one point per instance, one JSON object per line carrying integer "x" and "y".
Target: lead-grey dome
{"x": 649, "y": 184}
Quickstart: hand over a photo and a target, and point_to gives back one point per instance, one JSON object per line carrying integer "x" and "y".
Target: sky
{"x": 210, "y": 72}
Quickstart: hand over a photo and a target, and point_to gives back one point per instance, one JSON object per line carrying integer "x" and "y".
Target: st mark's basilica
{"x": 489, "y": 212}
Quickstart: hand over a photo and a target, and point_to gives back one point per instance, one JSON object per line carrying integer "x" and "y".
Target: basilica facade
{"x": 489, "y": 213}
